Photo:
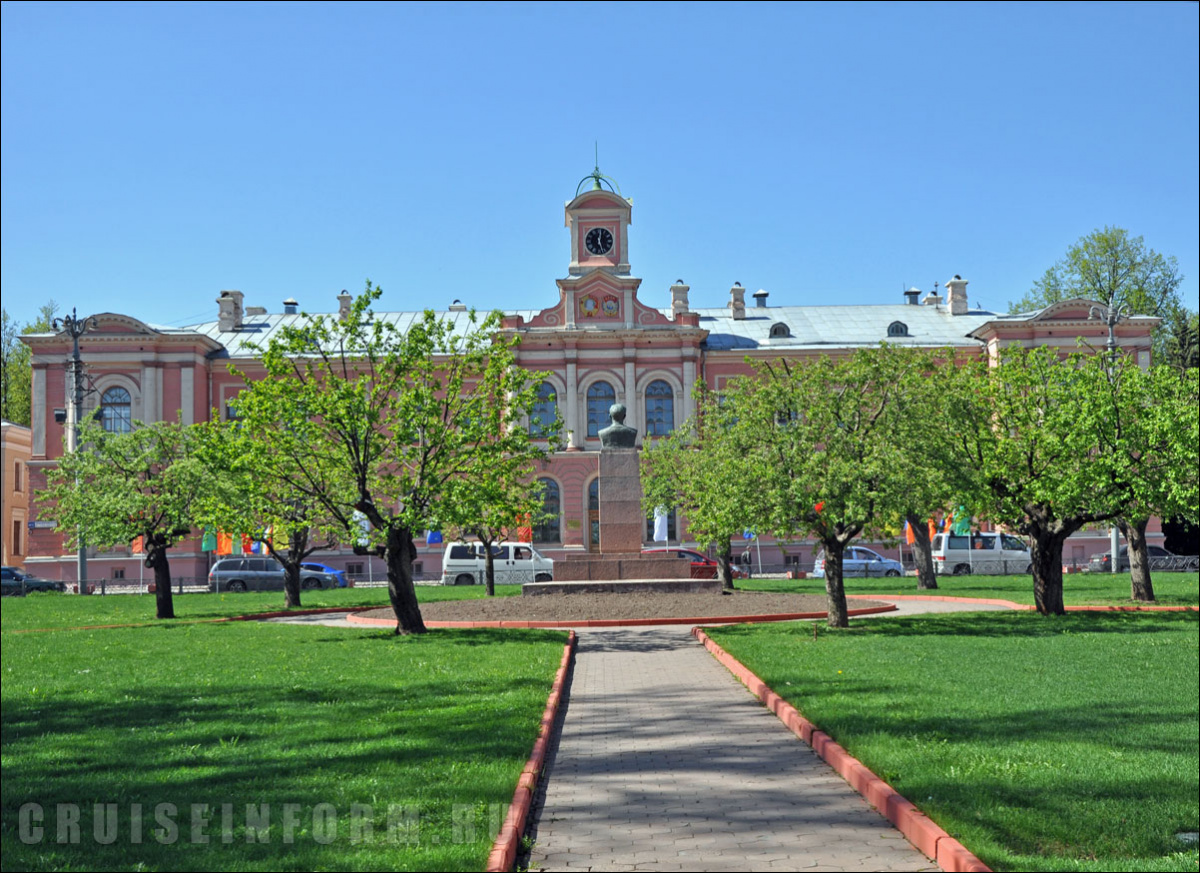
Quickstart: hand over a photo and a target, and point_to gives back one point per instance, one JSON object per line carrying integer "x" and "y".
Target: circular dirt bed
{"x": 581, "y": 607}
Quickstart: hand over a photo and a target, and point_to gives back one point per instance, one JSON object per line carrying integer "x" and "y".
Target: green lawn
{"x": 1171, "y": 589}
{"x": 69, "y": 610}
{"x": 1042, "y": 744}
{"x": 419, "y": 740}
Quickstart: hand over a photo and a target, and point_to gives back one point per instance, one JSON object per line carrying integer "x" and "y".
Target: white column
{"x": 633, "y": 414}
{"x": 37, "y": 416}
{"x": 572, "y": 417}
{"x": 151, "y": 402}
{"x": 689, "y": 379}
{"x": 187, "y": 393}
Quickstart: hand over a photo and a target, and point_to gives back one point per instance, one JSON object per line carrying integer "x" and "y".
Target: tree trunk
{"x": 1134, "y": 531}
{"x": 489, "y": 570}
{"x": 297, "y": 543}
{"x": 725, "y": 558}
{"x": 156, "y": 559}
{"x": 291, "y": 585}
{"x": 835, "y": 592}
{"x": 1046, "y": 556}
{"x": 402, "y": 593}
{"x": 922, "y": 553}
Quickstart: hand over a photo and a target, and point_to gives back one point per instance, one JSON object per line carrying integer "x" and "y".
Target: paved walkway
{"x": 666, "y": 762}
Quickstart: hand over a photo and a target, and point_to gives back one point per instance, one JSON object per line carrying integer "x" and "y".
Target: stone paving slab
{"x": 666, "y": 762}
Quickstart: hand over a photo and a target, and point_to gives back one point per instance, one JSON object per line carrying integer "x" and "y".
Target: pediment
{"x": 1075, "y": 309}
{"x": 598, "y": 200}
{"x": 115, "y": 323}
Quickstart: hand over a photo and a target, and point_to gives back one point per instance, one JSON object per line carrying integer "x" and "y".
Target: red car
{"x": 703, "y": 567}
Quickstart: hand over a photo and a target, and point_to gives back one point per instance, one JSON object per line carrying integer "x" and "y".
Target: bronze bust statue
{"x": 617, "y": 435}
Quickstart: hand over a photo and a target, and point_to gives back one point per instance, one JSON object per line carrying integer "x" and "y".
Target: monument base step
{"x": 624, "y": 586}
{"x": 622, "y": 565}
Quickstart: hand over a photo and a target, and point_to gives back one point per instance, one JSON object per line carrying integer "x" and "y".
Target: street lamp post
{"x": 1111, "y": 315}
{"x": 76, "y": 327}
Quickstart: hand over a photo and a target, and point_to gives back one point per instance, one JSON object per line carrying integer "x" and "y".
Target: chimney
{"x": 912, "y": 296}
{"x": 229, "y": 316}
{"x": 760, "y": 299}
{"x": 737, "y": 301}
{"x": 290, "y": 306}
{"x": 679, "y": 298}
{"x": 932, "y": 298}
{"x": 458, "y": 306}
{"x": 344, "y": 300}
{"x": 957, "y": 295}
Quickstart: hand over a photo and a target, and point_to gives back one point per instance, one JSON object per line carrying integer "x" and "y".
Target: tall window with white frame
{"x": 600, "y": 396}
{"x": 545, "y": 409}
{"x": 547, "y": 529}
{"x": 660, "y": 409}
{"x": 116, "y": 408}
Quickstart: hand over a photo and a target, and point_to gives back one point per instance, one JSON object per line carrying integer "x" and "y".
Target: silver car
{"x": 858, "y": 561}
{"x": 262, "y": 574}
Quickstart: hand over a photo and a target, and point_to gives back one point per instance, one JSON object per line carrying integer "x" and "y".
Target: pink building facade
{"x": 599, "y": 340}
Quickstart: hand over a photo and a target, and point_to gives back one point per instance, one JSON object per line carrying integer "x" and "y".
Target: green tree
{"x": 395, "y": 420}
{"x": 1045, "y": 436}
{"x": 252, "y": 490}
{"x": 830, "y": 457}
{"x": 1159, "y": 432}
{"x": 700, "y": 469}
{"x": 16, "y": 372}
{"x": 493, "y": 509}
{"x": 1121, "y": 272}
{"x": 119, "y": 487}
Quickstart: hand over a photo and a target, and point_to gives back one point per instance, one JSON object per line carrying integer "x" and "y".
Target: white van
{"x": 995, "y": 554}
{"x": 514, "y": 563}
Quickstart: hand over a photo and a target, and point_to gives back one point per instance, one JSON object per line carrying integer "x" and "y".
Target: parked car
{"x": 981, "y": 553}
{"x": 17, "y": 583}
{"x": 323, "y": 573}
{"x": 267, "y": 574}
{"x": 513, "y": 563}
{"x": 860, "y": 561}
{"x": 703, "y": 567}
{"x": 1160, "y": 559}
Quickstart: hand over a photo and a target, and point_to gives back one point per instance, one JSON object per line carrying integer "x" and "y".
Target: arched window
{"x": 670, "y": 527}
{"x": 779, "y": 329}
{"x": 600, "y": 396}
{"x": 660, "y": 408}
{"x": 115, "y": 411}
{"x": 545, "y": 409}
{"x": 547, "y": 529}
{"x": 897, "y": 328}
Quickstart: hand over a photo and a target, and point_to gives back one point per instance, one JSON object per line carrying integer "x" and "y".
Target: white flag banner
{"x": 363, "y": 538}
{"x": 660, "y": 524}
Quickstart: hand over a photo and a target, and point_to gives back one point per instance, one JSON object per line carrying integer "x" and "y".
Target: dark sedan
{"x": 1160, "y": 559}
{"x": 16, "y": 583}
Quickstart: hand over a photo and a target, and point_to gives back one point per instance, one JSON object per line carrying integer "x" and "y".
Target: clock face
{"x": 599, "y": 241}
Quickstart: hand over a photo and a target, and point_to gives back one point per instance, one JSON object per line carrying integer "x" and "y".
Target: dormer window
{"x": 897, "y": 328}
{"x": 779, "y": 329}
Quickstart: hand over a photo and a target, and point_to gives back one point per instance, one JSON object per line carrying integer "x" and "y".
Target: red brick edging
{"x": 627, "y": 622}
{"x": 949, "y": 854}
{"x": 508, "y": 841}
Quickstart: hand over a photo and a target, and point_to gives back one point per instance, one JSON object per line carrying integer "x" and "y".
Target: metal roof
{"x": 840, "y": 326}
{"x": 807, "y": 326}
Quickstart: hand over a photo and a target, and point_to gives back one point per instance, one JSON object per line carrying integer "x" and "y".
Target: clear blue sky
{"x": 156, "y": 154}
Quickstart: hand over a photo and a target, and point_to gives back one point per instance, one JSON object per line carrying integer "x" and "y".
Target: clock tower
{"x": 599, "y": 220}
